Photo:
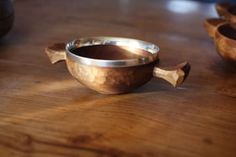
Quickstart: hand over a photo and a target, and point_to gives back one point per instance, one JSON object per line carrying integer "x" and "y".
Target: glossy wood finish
{"x": 45, "y": 112}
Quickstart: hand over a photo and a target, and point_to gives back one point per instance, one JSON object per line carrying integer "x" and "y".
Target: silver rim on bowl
{"x": 132, "y": 43}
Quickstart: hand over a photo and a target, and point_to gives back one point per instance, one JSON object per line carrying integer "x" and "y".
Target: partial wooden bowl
{"x": 224, "y": 36}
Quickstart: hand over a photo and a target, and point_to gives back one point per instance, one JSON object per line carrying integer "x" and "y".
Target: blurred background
{"x": 212, "y": 1}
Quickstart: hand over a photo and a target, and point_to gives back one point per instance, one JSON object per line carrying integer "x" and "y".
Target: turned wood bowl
{"x": 112, "y": 65}
{"x": 223, "y": 33}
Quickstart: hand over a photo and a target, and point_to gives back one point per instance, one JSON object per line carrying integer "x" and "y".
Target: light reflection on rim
{"x": 132, "y": 43}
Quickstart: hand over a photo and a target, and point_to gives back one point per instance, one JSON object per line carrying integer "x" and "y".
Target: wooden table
{"x": 45, "y": 112}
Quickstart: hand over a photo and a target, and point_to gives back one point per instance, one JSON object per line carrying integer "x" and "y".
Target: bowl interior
{"x": 228, "y": 30}
{"x": 232, "y": 10}
{"x": 110, "y": 52}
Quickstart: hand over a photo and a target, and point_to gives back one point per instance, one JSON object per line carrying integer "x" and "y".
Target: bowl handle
{"x": 211, "y": 25}
{"x": 222, "y": 9}
{"x": 174, "y": 75}
{"x": 56, "y": 52}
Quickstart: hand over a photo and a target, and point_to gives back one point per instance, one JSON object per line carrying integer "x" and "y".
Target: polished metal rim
{"x": 132, "y": 43}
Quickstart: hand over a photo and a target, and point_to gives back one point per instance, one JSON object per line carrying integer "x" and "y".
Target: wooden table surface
{"x": 45, "y": 112}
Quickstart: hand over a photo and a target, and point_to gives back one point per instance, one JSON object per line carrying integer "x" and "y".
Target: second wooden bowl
{"x": 224, "y": 36}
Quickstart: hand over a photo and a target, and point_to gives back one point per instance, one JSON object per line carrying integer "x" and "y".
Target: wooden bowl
{"x": 224, "y": 36}
{"x": 101, "y": 66}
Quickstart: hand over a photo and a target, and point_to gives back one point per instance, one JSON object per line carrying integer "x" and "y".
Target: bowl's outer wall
{"x": 225, "y": 47}
{"x": 111, "y": 80}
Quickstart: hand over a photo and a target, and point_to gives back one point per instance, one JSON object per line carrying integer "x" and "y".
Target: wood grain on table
{"x": 45, "y": 112}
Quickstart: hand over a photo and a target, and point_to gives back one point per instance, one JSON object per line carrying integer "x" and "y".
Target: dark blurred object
{"x": 6, "y": 16}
